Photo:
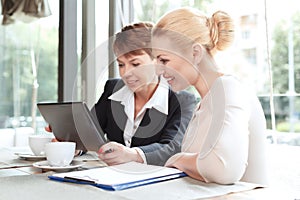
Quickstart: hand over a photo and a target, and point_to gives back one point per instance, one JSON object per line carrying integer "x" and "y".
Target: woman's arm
{"x": 219, "y": 134}
{"x": 186, "y": 162}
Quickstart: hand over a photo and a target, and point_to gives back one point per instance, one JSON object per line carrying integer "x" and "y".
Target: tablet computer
{"x": 73, "y": 121}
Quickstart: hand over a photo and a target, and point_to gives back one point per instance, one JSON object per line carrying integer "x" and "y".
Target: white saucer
{"x": 31, "y": 156}
{"x": 44, "y": 165}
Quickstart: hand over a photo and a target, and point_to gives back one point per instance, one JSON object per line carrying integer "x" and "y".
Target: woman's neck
{"x": 142, "y": 96}
{"x": 146, "y": 93}
{"x": 208, "y": 73}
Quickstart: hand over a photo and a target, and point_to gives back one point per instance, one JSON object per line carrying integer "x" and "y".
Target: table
{"x": 22, "y": 181}
{"x": 11, "y": 164}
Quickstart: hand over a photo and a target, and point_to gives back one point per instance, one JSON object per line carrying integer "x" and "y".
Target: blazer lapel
{"x": 152, "y": 123}
{"x": 119, "y": 115}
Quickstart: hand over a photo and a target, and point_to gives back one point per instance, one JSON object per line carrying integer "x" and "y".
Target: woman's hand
{"x": 114, "y": 153}
{"x": 49, "y": 129}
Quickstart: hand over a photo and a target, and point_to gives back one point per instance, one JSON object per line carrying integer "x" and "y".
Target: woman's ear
{"x": 197, "y": 52}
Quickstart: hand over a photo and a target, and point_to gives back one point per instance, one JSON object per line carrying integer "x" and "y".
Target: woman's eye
{"x": 135, "y": 64}
{"x": 163, "y": 61}
{"x": 120, "y": 65}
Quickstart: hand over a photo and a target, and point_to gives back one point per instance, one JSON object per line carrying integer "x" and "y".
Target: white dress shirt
{"x": 158, "y": 101}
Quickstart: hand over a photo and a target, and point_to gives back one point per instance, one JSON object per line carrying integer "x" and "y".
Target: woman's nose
{"x": 160, "y": 70}
{"x": 127, "y": 71}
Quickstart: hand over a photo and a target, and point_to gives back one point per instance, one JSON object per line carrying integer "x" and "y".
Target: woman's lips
{"x": 131, "y": 82}
{"x": 169, "y": 79}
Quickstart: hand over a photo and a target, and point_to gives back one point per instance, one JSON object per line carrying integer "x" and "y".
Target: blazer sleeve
{"x": 102, "y": 107}
{"x": 181, "y": 107}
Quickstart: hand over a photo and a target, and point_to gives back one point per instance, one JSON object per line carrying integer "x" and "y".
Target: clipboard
{"x": 120, "y": 177}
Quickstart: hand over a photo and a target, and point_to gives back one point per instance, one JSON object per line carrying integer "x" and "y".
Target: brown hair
{"x": 134, "y": 39}
{"x": 214, "y": 33}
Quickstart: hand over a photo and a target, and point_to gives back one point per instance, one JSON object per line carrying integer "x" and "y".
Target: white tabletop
{"x": 40, "y": 187}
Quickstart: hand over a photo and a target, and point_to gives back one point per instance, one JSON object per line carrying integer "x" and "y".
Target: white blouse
{"x": 158, "y": 101}
{"x": 228, "y": 132}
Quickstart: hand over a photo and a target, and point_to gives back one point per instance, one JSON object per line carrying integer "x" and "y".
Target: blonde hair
{"x": 213, "y": 33}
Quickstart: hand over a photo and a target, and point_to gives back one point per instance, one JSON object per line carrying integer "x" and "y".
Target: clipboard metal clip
{"x": 84, "y": 179}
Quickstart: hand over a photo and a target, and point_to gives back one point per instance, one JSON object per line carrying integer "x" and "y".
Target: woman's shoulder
{"x": 183, "y": 97}
{"x": 229, "y": 79}
{"x": 183, "y": 94}
{"x": 112, "y": 81}
{"x": 233, "y": 91}
{"x": 234, "y": 84}
{"x": 113, "y": 84}
{"x": 228, "y": 83}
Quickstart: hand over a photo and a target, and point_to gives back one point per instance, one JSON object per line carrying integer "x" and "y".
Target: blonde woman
{"x": 225, "y": 140}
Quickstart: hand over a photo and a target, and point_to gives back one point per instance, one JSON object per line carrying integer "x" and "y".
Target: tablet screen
{"x": 73, "y": 121}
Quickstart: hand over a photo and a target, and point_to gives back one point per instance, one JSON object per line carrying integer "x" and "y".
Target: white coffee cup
{"x": 60, "y": 154}
{"x": 37, "y": 143}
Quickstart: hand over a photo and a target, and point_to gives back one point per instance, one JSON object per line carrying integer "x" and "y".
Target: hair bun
{"x": 221, "y": 30}
{"x": 214, "y": 33}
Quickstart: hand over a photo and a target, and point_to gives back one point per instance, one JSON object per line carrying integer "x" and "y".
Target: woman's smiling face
{"x": 174, "y": 65}
{"x": 137, "y": 71}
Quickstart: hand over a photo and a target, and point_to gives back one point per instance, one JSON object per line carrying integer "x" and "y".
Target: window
{"x": 28, "y": 67}
{"x": 34, "y": 68}
{"x": 246, "y": 35}
{"x": 95, "y": 44}
{"x": 250, "y": 63}
{"x": 250, "y": 55}
{"x": 33, "y": 56}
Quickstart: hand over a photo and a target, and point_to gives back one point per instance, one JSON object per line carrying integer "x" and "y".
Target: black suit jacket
{"x": 158, "y": 136}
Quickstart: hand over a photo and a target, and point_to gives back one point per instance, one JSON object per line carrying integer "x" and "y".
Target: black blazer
{"x": 158, "y": 136}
